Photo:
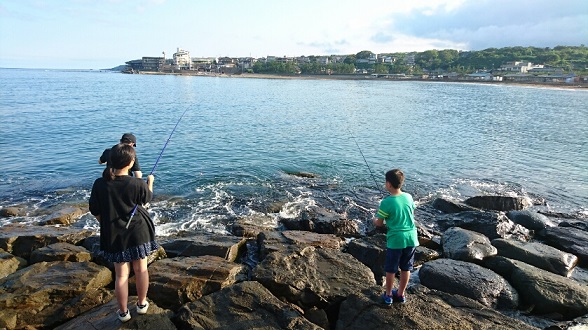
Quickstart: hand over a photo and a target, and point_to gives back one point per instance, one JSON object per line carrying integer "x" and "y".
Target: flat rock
{"x": 65, "y": 216}
{"x": 48, "y": 293}
{"x": 313, "y": 277}
{"x": 21, "y": 240}
{"x": 469, "y": 280}
{"x": 449, "y": 206}
{"x": 425, "y": 309}
{"x": 272, "y": 241}
{"x": 499, "y": 203}
{"x": 531, "y": 220}
{"x": 569, "y": 239}
{"x": 243, "y": 306}
{"x": 176, "y": 281}
{"x": 61, "y": 252}
{"x": 224, "y": 246}
{"x": 537, "y": 254}
{"x": 103, "y": 317}
{"x": 10, "y": 263}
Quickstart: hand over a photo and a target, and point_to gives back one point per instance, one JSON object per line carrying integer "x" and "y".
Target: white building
{"x": 182, "y": 60}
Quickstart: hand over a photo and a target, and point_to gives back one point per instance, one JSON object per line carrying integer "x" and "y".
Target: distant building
{"x": 147, "y": 64}
{"x": 182, "y": 60}
{"x": 517, "y": 66}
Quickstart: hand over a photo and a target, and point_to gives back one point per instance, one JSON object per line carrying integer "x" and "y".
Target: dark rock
{"x": 582, "y": 225}
{"x": 21, "y": 240}
{"x": 579, "y": 323}
{"x": 103, "y": 317}
{"x": 12, "y": 211}
{"x": 65, "y": 216}
{"x": 499, "y": 203}
{"x": 46, "y": 294}
{"x": 313, "y": 277}
{"x": 243, "y": 306}
{"x": 530, "y": 220}
{"x": 447, "y": 206}
{"x": 425, "y": 309}
{"x": 538, "y": 255}
{"x": 469, "y": 280}
{"x": 370, "y": 251}
{"x": 569, "y": 239}
{"x": 466, "y": 245}
{"x": 541, "y": 291}
{"x": 61, "y": 252}
{"x": 490, "y": 224}
{"x": 428, "y": 238}
{"x": 223, "y": 246}
{"x": 180, "y": 280}
{"x": 322, "y": 221}
{"x": 10, "y": 263}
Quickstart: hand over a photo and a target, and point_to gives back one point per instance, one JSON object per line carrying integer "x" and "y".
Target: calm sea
{"x": 234, "y": 151}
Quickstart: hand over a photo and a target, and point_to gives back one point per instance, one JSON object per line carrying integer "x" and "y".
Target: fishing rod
{"x": 366, "y": 163}
{"x": 157, "y": 162}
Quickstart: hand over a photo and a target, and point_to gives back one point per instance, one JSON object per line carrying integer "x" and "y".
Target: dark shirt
{"x": 106, "y": 157}
{"x": 114, "y": 201}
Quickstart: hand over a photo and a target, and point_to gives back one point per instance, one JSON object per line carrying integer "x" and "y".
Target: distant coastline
{"x": 560, "y": 85}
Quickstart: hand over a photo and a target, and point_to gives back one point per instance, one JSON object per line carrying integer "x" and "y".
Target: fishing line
{"x": 157, "y": 162}
{"x": 366, "y": 163}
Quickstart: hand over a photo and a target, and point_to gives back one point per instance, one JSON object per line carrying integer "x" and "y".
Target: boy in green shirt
{"x": 397, "y": 213}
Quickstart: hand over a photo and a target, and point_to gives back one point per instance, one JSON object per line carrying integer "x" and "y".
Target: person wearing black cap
{"x": 131, "y": 140}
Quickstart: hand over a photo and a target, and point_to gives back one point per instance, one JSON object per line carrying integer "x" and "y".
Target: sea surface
{"x": 240, "y": 144}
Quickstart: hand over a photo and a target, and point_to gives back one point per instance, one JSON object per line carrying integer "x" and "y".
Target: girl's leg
{"x": 141, "y": 279}
{"x": 121, "y": 284}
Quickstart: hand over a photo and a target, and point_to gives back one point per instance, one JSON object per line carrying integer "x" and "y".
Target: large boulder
{"x": 21, "y": 240}
{"x": 466, "y": 245}
{"x": 10, "y": 263}
{"x": 103, "y": 317}
{"x": 541, "y": 291}
{"x": 65, "y": 216}
{"x": 371, "y": 251}
{"x": 448, "y": 206}
{"x": 313, "y": 277}
{"x": 425, "y": 309}
{"x": 569, "y": 239}
{"x": 48, "y": 293}
{"x": 530, "y": 220}
{"x": 272, "y": 241}
{"x": 499, "y": 203}
{"x": 490, "y": 224}
{"x": 322, "y": 221}
{"x": 224, "y": 246}
{"x": 469, "y": 280}
{"x": 243, "y": 306}
{"x": 176, "y": 281}
{"x": 538, "y": 255}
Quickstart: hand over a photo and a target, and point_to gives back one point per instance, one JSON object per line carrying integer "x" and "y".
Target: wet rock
{"x": 541, "y": 291}
{"x": 251, "y": 227}
{"x": 531, "y": 220}
{"x": 48, "y": 293}
{"x": 323, "y": 221}
{"x": 569, "y": 239}
{"x": 103, "y": 317}
{"x": 246, "y": 305}
{"x": 469, "y": 280}
{"x": 537, "y": 254}
{"x": 21, "y": 240}
{"x": 61, "y": 252}
{"x": 490, "y": 224}
{"x": 428, "y": 238}
{"x": 582, "y": 225}
{"x": 179, "y": 280}
{"x": 466, "y": 245}
{"x": 448, "y": 206}
{"x": 65, "y": 216}
{"x": 272, "y": 241}
{"x": 10, "y": 263}
{"x": 313, "y": 277}
{"x": 223, "y": 246}
{"x": 423, "y": 255}
{"x": 12, "y": 211}
{"x": 499, "y": 203}
{"x": 579, "y": 323}
{"x": 425, "y": 309}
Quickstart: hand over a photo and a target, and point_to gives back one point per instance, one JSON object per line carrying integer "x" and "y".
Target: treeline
{"x": 568, "y": 58}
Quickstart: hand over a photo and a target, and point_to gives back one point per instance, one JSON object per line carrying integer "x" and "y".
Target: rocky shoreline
{"x": 488, "y": 262}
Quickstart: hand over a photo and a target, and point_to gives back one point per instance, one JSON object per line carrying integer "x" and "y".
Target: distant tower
{"x": 163, "y": 55}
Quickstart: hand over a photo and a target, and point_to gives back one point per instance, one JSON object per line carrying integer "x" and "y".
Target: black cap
{"x": 129, "y": 138}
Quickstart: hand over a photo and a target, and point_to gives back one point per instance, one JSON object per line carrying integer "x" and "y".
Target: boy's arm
{"x": 378, "y": 222}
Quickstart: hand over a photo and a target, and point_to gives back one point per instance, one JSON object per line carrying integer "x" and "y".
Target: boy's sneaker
{"x": 123, "y": 317}
{"x": 387, "y": 299}
{"x": 396, "y": 298}
{"x": 142, "y": 309}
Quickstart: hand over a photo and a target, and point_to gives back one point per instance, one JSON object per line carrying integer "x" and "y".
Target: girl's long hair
{"x": 120, "y": 156}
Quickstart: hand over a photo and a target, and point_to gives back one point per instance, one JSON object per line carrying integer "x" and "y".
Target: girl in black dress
{"x": 113, "y": 198}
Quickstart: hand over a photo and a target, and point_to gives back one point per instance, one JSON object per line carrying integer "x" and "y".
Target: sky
{"x": 100, "y": 34}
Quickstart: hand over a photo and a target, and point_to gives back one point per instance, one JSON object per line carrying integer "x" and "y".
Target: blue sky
{"x": 97, "y": 34}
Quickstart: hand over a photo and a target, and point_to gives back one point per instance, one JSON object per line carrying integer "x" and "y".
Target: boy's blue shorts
{"x": 399, "y": 258}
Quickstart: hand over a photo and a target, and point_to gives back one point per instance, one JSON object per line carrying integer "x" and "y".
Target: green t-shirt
{"x": 398, "y": 212}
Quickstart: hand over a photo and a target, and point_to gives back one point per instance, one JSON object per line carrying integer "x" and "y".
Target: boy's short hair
{"x": 395, "y": 177}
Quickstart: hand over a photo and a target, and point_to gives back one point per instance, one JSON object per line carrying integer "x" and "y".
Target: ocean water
{"x": 234, "y": 152}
